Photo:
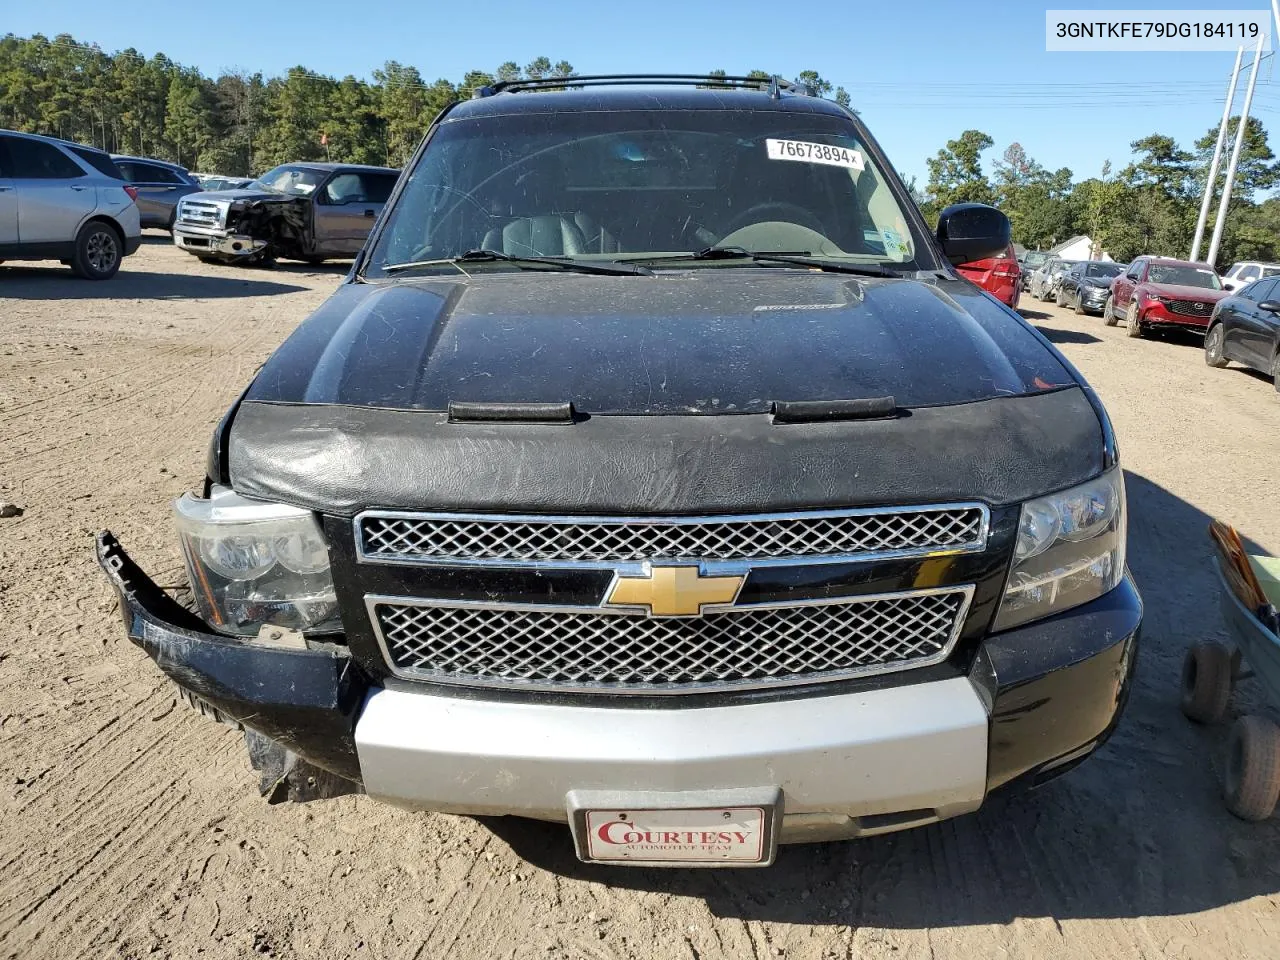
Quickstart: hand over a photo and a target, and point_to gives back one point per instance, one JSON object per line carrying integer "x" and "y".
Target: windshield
{"x": 646, "y": 183}
{"x": 296, "y": 181}
{"x": 1185, "y": 276}
{"x": 1103, "y": 270}
{"x": 1034, "y": 260}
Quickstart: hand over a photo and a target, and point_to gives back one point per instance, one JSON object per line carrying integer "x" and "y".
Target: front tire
{"x": 1060, "y": 298}
{"x": 1108, "y": 312}
{"x": 1133, "y": 326}
{"x": 1251, "y": 785}
{"x": 98, "y": 251}
{"x": 1213, "y": 343}
{"x": 1079, "y": 305}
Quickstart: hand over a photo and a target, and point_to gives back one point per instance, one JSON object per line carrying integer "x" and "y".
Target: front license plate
{"x": 729, "y": 835}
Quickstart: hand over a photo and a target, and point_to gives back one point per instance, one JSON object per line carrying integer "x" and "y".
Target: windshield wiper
{"x": 607, "y": 267}
{"x": 800, "y": 258}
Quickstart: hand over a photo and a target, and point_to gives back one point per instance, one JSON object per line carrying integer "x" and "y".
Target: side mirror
{"x": 973, "y": 231}
{"x": 1271, "y": 306}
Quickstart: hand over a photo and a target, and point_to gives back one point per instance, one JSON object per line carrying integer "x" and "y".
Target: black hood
{"x": 672, "y": 377}
{"x": 710, "y": 341}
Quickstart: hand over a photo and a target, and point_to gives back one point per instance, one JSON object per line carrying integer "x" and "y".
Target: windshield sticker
{"x": 893, "y": 244}
{"x": 807, "y": 152}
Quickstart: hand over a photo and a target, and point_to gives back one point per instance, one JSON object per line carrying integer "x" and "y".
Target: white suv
{"x": 63, "y": 201}
{"x": 1244, "y": 273}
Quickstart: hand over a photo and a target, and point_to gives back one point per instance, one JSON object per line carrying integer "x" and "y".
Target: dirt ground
{"x": 131, "y": 827}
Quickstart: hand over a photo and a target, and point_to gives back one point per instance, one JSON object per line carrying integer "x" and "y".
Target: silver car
{"x": 63, "y": 201}
{"x": 1045, "y": 280}
{"x": 160, "y": 186}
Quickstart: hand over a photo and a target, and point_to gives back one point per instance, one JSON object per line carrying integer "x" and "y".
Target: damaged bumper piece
{"x": 298, "y": 707}
{"x": 207, "y": 245}
{"x": 1037, "y": 700}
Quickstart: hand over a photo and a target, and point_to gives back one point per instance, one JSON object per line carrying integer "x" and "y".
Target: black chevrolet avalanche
{"x": 653, "y": 471}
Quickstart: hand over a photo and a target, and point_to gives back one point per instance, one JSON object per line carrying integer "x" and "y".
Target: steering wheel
{"x": 788, "y": 213}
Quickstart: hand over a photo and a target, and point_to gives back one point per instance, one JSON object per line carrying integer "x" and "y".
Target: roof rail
{"x": 773, "y": 84}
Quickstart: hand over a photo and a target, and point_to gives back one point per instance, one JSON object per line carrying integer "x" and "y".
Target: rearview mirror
{"x": 973, "y": 231}
{"x": 1271, "y": 306}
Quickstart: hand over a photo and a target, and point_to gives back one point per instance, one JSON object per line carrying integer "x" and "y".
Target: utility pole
{"x": 1212, "y": 182}
{"x": 1235, "y": 154}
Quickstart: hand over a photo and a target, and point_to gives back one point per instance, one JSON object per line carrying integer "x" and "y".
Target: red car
{"x": 1000, "y": 276}
{"x": 1159, "y": 292}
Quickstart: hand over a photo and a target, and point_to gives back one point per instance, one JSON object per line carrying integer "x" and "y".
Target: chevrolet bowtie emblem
{"x": 674, "y": 591}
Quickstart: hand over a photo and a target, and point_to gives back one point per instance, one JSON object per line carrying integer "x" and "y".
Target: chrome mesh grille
{"x": 427, "y": 538}
{"x": 585, "y": 649}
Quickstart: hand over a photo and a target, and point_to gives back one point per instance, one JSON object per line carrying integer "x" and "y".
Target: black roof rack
{"x": 774, "y": 84}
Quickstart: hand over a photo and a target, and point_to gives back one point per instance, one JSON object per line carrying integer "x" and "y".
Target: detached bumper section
{"x": 217, "y": 244}
{"x": 305, "y": 700}
{"x": 1038, "y": 699}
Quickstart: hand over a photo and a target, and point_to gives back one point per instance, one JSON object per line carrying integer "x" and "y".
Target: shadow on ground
{"x": 51, "y": 283}
{"x": 335, "y": 267}
{"x": 1138, "y": 830}
{"x": 1067, "y": 336}
{"x": 1183, "y": 338}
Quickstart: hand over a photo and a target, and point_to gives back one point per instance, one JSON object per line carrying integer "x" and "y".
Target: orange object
{"x": 1236, "y": 566}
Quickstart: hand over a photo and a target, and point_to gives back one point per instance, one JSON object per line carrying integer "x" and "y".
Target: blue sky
{"x": 920, "y": 72}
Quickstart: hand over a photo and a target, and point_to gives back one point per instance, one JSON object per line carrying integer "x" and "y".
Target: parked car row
{"x": 1043, "y": 284}
{"x": 78, "y": 204}
{"x": 1238, "y": 312}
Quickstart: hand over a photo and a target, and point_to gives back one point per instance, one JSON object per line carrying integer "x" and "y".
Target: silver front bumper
{"x": 897, "y": 756}
{"x": 216, "y": 244}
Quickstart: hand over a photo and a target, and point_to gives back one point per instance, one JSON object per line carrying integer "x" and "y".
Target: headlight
{"x": 1070, "y": 550}
{"x": 1152, "y": 298}
{"x": 254, "y": 564}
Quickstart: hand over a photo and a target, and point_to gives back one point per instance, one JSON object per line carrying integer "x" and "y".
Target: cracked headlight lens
{"x": 1070, "y": 550}
{"x": 254, "y": 564}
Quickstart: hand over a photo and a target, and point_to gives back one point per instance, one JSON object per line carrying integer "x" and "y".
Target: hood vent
{"x": 821, "y": 411}
{"x": 463, "y": 412}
